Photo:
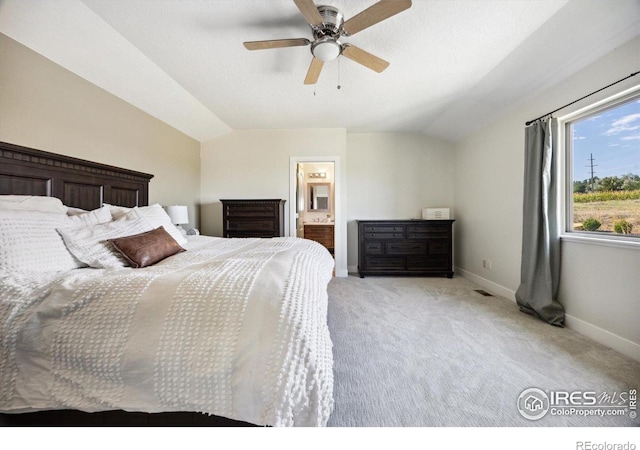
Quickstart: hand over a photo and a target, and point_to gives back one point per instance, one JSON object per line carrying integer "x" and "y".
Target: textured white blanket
{"x": 232, "y": 327}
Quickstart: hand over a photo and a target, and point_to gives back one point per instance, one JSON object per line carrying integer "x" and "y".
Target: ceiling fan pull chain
{"x": 339, "y": 74}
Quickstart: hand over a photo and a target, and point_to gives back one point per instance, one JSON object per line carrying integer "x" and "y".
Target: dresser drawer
{"x": 251, "y": 234}
{"x": 432, "y": 235}
{"x": 375, "y": 235}
{"x": 406, "y": 248}
{"x": 428, "y": 232}
{"x": 438, "y": 247}
{"x": 384, "y": 228}
{"x": 428, "y": 263}
{"x": 429, "y": 228}
{"x": 384, "y": 262}
{"x": 374, "y": 248}
{"x": 248, "y": 225}
{"x": 318, "y": 231}
{"x": 250, "y": 211}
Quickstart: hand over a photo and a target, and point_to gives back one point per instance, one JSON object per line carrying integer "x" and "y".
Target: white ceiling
{"x": 454, "y": 65}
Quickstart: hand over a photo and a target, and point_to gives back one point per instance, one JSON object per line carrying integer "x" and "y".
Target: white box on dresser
{"x": 435, "y": 214}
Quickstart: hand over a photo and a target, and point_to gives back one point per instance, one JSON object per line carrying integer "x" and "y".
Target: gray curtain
{"x": 540, "y": 270}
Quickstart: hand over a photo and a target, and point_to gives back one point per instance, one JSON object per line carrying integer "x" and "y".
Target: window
{"x": 603, "y": 170}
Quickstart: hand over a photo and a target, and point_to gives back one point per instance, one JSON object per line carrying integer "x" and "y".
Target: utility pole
{"x": 591, "y": 166}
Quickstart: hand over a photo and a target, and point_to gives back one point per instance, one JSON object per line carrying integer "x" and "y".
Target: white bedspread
{"x": 232, "y": 327}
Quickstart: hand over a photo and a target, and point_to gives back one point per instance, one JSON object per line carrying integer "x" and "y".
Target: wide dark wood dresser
{"x": 405, "y": 247}
{"x": 253, "y": 218}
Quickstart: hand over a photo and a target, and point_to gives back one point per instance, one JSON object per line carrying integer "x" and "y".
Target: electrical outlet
{"x": 486, "y": 264}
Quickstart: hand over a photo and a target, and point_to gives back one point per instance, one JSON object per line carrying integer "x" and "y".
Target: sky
{"x": 612, "y": 137}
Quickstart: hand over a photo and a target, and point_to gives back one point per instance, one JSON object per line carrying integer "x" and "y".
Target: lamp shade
{"x": 178, "y": 213}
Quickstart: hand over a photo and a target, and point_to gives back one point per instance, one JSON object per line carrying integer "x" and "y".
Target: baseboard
{"x": 352, "y": 269}
{"x": 600, "y": 335}
{"x": 604, "y": 337}
{"x": 342, "y": 273}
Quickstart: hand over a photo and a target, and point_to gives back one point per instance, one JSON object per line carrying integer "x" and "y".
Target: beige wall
{"x": 599, "y": 285}
{"x": 394, "y": 176}
{"x": 46, "y": 107}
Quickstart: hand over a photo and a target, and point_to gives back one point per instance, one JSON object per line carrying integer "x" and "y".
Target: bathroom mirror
{"x": 319, "y": 195}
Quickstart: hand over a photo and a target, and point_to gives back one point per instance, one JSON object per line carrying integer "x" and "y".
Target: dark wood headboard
{"x": 77, "y": 182}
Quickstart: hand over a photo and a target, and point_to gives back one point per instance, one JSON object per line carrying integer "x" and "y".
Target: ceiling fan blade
{"x": 314, "y": 71}
{"x": 276, "y": 43}
{"x": 365, "y": 58}
{"x": 310, "y": 12}
{"x": 374, "y": 14}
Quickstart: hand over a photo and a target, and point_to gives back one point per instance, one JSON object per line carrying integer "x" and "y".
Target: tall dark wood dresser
{"x": 253, "y": 218}
{"x": 405, "y": 247}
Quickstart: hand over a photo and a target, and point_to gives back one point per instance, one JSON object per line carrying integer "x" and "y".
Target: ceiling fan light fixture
{"x": 326, "y": 49}
{"x": 327, "y": 26}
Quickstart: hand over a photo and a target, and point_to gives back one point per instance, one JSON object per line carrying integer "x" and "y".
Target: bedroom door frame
{"x": 340, "y": 230}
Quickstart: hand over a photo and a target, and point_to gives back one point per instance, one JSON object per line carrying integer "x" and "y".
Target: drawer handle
{"x": 394, "y": 247}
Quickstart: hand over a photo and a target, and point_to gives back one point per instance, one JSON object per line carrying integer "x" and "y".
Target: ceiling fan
{"x": 328, "y": 25}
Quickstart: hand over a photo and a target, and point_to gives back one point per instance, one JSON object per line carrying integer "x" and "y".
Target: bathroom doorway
{"x": 315, "y": 205}
{"x": 315, "y": 195}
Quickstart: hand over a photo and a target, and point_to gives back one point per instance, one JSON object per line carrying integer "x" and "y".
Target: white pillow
{"x": 71, "y": 211}
{"x": 89, "y": 244}
{"x": 32, "y": 203}
{"x": 29, "y": 242}
{"x": 117, "y": 212}
{"x": 158, "y": 218}
{"x": 89, "y": 218}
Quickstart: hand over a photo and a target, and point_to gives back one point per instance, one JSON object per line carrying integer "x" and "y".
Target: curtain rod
{"x": 582, "y": 98}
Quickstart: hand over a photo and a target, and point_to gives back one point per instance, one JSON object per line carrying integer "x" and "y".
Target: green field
{"x": 608, "y": 212}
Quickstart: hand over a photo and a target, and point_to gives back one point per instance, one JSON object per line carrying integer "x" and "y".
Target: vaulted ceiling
{"x": 454, "y": 64}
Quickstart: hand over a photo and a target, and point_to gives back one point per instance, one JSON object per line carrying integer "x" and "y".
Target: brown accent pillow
{"x": 148, "y": 248}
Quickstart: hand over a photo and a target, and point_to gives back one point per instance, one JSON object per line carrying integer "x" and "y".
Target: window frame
{"x": 565, "y": 175}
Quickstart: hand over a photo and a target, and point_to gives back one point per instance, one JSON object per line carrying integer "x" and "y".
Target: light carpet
{"x": 425, "y": 352}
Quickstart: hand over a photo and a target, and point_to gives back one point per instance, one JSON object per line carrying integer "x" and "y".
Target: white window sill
{"x": 582, "y": 238}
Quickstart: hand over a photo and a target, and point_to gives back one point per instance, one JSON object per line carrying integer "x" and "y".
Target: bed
{"x": 234, "y": 329}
